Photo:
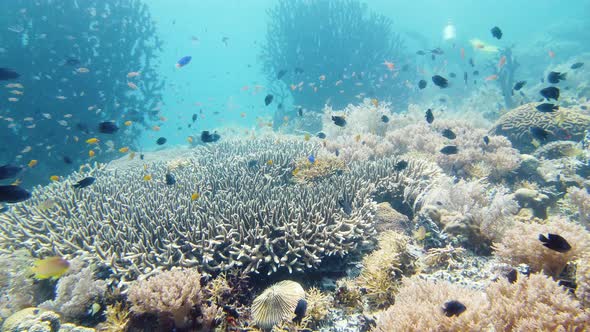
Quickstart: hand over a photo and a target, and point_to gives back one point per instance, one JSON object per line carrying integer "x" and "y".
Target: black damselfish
{"x": 9, "y": 171}
{"x": 440, "y": 81}
{"x": 108, "y": 127}
{"x": 422, "y": 84}
{"x": 453, "y": 308}
{"x": 554, "y": 77}
{"x": 170, "y": 179}
{"x": 338, "y": 120}
{"x": 207, "y": 137}
{"x": 519, "y": 85}
{"x": 547, "y": 107}
{"x": 85, "y": 182}
{"x": 555, "y": 242}
{"x": 447, "y": 133}
{"x": 161, "y": 141}
{"x": 268, "y": 99}
{"x": 496, "y": 32}
{"x": 550, "y": 93}
{"x": 300, "y": 310}
{"x": 8, "y": 74}
{"x": 13, "y": 194}
{"x": 385, "y": 119}
{"x": 429, "y": 116}
{"x": 449, "y": 149}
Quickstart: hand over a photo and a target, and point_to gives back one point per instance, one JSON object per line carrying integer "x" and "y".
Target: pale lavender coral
{"x": 76, "y": 292}
{"x": 17, "y": 289}
{"x": 580, "y": 199}
{"x": 170, "y": 293}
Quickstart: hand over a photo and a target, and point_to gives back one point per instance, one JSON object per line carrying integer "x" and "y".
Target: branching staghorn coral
{"x": 520, "y": 245}
{"x": 474, "y": 212}
{"x": 248, "y": 217}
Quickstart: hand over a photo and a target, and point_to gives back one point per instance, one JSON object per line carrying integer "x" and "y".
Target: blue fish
{"x": 185, "y": 60}
{"x": 311, "y": 158}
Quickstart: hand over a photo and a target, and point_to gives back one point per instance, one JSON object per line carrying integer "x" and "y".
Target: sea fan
{"x": 276, "y": 303}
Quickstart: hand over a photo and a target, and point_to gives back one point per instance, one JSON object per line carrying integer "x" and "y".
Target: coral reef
{"x": 474, "y": 212}
{"x": 117, "y": 319}
{"x": 579, "y": 199}
{"x": 564, "y": 124}
{"x": 418, "y": 307}
{"x": 76, "y": 291}
{"x": 277, "y": 304}
{"x": 17, "y": 288}
{"x": 234, "y": 223}
{"x": 39, "y": 320}
{"x": 534, "y": 303}
{"x": 323, "y": 166}
{"x": 583, "y": 279}
{"x": 384, "y": 268}
{"x": 170, "y": 294}
{"x": 318, "y": 304}
{"x": 520, "y": 245}
{"x": 342, "y": 40}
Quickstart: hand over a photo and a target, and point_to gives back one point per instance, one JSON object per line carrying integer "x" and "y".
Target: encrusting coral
{"x": 583, "y": 279}
{"x": 520, "y": 245}
{"x": 17, "y": 288}
{"x": 579, "y": 199}
{"x": 169, "y": 294}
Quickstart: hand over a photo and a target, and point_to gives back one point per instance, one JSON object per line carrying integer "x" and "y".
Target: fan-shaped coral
{"x": 277, "y": 303}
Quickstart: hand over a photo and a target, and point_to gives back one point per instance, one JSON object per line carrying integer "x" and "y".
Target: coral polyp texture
{"x": 253, "y": 217}
{"x": 563, "y": 124}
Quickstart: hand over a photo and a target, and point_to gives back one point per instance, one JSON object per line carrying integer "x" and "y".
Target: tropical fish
{"x": 207, "y": 137}
{"x": 338, "y": 120}
{"x": 128, "y": 123}
{"x": 311, "y": 159}
{"x": 385, "y": 119}
{"x": 422, "y": 84}
{"x": 83, "y": 70}
{"x": 132, "y": 86}
{"x": 550, "y": 93}
{"x": 91, "y": 153}
{"x": 300, "y": 310}
{"x": 93, "y": 140}
{"x": 321, "y": 135}
{"x": 170, "y": 179}
{"x": 185, "y": 60}
{"x": 195, "y": 196}
{"x": 577, "y": 65}
{"x": 32, "y": 163}
{"x": 547, "y": 107}
{"x": 554, "y": 77}
{"x": 555, "y": 242}
{"x": 268, "y": 99}
{"x": 8, "y": 74}
{"x": 281, "y": 73}
{"x": 453, "y": 307}
{"x": 440, "y": 81}
{"x": 539, "y": 133}
{"x": 133, "y": 74}
{"x": 54, "y": 178}
{"x": 389, "y": 65}
{"x": 400, "y": 165}
{"x": 519, "y": 85}
{"x": 496, "y": 32}
{"x": 9, "y": 171}
{"x": 147, "y": 177}
{"x": 13, "y": 194}
{"x": 429, "y": 116}
{"x": 161, "y": 141}
{"x": 50, "y": 267}
{"x": 491, "y": 78}
{"x": 108, "y": 127}
{"x": 502, "y": 62}
{"x": 87, "y": 181}
{"x": 486, "y": 139}
{"x": 448, "y": 133}
{"x": 124, "y": 149}
{"x": 449, "y": 149}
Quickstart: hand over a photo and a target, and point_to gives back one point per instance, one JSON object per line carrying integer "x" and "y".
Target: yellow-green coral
{"x": 323, "y": 166}
{"x": 583, "y": 279}
{"x": 437, "y": 257}
{"x": 318, "y": 304}
{"x": 383, "y": 269}
{"x": 117, "y": 318}
{"x": 349, "y": 295}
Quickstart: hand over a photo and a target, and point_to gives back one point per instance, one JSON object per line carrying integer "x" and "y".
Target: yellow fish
{"x": 295, "y": 171}
{"x": 128, "y": 123}
{"x": 307, "y": 137}
{"x": 16, "y": 182}
{"x": 50, "y": 267}
{"x": 124, "y": 149}
{"x": 54, "y": 178}
{"x": 269, "y": 162}
{"x": 91, "y": 153}
{"x": 189, "y": 139}
{"x": 32, "y": 163}
{"x": 147, "y": 177}
{"x": 131, "y": 155}
{"x": 195, "y": 196}
{"x": 357, "y": 138}
{"x": 93, "y": 140}
{"x": 375, "y": 102}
